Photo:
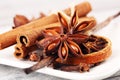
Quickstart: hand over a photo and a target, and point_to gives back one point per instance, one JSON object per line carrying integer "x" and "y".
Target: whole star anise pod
{"x": 65, "y": 40}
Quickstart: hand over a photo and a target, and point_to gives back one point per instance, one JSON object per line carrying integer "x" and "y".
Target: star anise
{"x": 65, "y": 40}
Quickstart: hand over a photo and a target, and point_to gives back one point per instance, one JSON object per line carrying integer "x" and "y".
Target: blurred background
{"x": 30, "y": 8}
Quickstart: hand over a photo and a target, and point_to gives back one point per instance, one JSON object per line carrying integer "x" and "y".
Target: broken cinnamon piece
{"x": 44, "y": 62}
{"x": 9, "y": 38}
{"x": 21, "y": 51}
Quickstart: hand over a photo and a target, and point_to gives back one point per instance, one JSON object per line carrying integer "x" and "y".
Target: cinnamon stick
{"x": 9, "y": 38}
{"x": 21, "y": 51}
{"x": 29, "y": 37}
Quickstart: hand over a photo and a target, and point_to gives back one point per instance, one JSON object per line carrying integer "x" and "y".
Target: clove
{"x": 82, "y": 67}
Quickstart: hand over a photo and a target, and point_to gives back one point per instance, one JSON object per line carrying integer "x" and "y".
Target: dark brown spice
{"x": 82, "y": 67}
{"x": 44, "y": 62}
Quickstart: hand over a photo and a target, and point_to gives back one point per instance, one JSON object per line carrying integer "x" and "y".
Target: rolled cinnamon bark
{"x": 29, "y": 37}
{"x": 9, "y": 38}
{"x": 21, "y": 51}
